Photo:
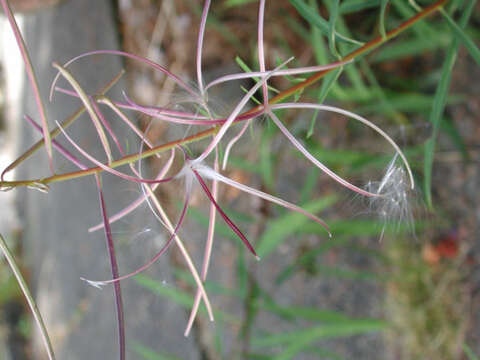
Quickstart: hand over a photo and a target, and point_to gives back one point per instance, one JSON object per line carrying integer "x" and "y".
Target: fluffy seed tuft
{"x": 97, "y": 284}
{"x": 392, "y": 205}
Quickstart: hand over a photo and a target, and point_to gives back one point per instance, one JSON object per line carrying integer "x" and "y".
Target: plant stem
{"x": 114, "y": 269}
{"x": 32, "y": 78}
{"x": 361, "y": 51}
{"x": 53, "y": 134}
{"x": 28, "y": 296}
{"x": 206, "y": 133}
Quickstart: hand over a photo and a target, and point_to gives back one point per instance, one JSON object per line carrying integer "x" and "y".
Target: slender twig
{"x": 201, "y": 35}
{"x": 371, "y": 45}
{"x": 165, "y": 221}
{"x": 26, "y": 292}
{"x": 143, "y": 60}
{"x": 208, "y": 247}
{"x": 53, "y": 134}
{"x": 32, "y": 78}
{"x": 87, "y": 103}
{"x": 245, "y": 116}
{"x": 261, "y": 50}
{"x": 114, "y": 269}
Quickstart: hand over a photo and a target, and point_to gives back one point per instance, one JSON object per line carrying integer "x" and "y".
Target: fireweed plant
{"x": 388, "y": 195}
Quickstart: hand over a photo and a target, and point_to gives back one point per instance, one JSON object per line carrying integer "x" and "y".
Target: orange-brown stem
{"x": 205, "y": 133}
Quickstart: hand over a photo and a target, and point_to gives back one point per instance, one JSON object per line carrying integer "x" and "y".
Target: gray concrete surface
{"x": 59, "y": 250}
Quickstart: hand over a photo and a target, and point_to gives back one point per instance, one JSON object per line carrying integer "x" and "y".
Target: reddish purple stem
{"x": 168, "y": 114}
{"x": 225, "y": 217}
{"x": 115, "y": 274}
{"x": 157, "y": 255}
{"x": 107, "y": 125}
{"x": 57, "y": 146}
{"x": 146, "y": 61}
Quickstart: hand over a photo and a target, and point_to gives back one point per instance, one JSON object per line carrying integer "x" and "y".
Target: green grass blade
{"x": 383, "y": 9}
{"x": 331, "y": 28}
{"x": 422, "y": 28}
{"x": 439, "y": 106}
{"x": 267, "y": 156}
{"x": 243, "y": 164}
{"x": 298, "y": 346}
{"x": 411, "y": 103}
{"x": 220, "y": 228}
{"x": 354, "y": 161}
{"x": 350, "y": 6}
{"x": 298, "y": 28}
{"x": 210, "y": 286}
{"x": 242, "y": 272}
{"x": 378, "y": 89}
{"x": 317, "y": 41}
{"x": 167, "y": 291}
{"x": 310, "y": 314}
{"x": 28, "y": 296}
{"x": 308, "y": 258}
{"x": 351, "y": 71}
{"x": 470, "y": 354}
{"x": 232, "y": 3}
{"x": 350, "y": 228}
{"x": 341, "y": 329}
{"x": 9, "y": 289}
{"x": 284, "y": 226}
{"x": 179, "y": 297}
{"x": 409, "y": 47}
{"x": 316, "y": 20}
{"x": 243, "y": 65}
{"x": 309, "y": 185}
{"x": 460, "y": 34}
{"x": 327, "y": 85}
{"x": 448, "y": 127}
{"x": 255, "y": 356}
{"x": 324, "y": 354}
{"x": 150, "y": 354}
{"x": 342, "y": 273}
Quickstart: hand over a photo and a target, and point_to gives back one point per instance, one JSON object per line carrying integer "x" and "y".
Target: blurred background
{"x": 378, "y": 289}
